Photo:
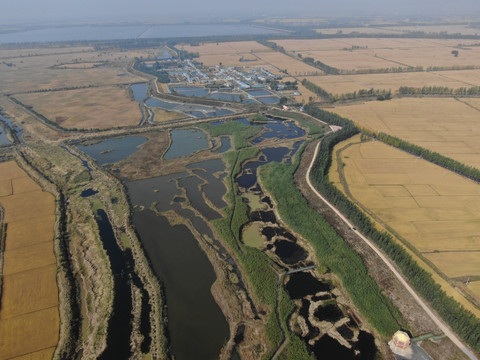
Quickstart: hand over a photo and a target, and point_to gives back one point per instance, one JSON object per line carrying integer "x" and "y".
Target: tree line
{"x": 463, "y": 322}
{"x": 439, "y": 90}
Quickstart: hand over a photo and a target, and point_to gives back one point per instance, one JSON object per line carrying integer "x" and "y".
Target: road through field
{"x": 435, "y": 318}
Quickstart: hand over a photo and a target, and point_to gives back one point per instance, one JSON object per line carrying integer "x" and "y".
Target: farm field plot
{"x": 102, "y": 107}
{"x": 342, "y": 84}
{"x": 434, "y": 210}
{"x": 284, "y": 62}
{"x": 229, "y": 53}
{"x": 29, "y": 317}
{"x": 384, "y": 53}
{"x": 47, "y": 72}
{"x": 444, "y": 125}
{"x": 449, "y": 29}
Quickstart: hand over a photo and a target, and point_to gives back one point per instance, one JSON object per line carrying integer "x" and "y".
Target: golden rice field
{"x": 29, "y": 317}
{"x": 342, "y": 84}
{"x": 384, "y": 53}
{"x": 102, "y": 107}
{"x": 45, "y": 72}
{"x": 445, "y": 125}
{"x": 434, "y": 210}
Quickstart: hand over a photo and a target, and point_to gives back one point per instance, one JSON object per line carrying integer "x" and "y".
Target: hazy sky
{"x": 12, "y": 11}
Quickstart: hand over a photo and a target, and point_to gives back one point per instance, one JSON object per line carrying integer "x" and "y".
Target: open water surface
{"x": 113, "y": 149}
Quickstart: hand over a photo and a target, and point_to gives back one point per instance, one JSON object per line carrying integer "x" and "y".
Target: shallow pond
{"x": 197, "y": 327}
{"x": 280, "y": 130}
{"x": 3, "y": 136}
{"x": 139, "y": 91}
{"x": 88, "y": 193}
{"x": 113, "y": 149}
{"x": 185, "y": 142}
{"x": 259, "y": 92}
{"x": 196, "y": 91}
{"x": 12, "y": 127}
{"x": 226, "y": 145}
{"x": 269, "y": 99}
{"x": 302, "y": 284}
{"x": 166, "y": 105}
{"x": 226, "y": 97}
{"x": 289, "y": 252}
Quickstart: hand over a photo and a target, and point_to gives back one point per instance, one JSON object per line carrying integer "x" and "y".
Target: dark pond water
{"x": 139, "y": 91}
{"x": 289, "y": 252}
{"x": 302, "y": 284}
{"x": 197, "y": 114}
{"x": 226, "y": 97}
{"x": 106, "y": 32}
{"x": 345, "y": 331}
{"x": 329, "y": 348}
{"x": 12, "y": 127}
{"x": 113, "y": 149}
{"x": 280, "y": 130}
{"x": 214, "y": 189}
{"x": 259, "y": 92}
{"x": 226, "y": 145}
{"x": 3, "y": 136}
{"x": 195, "y": 195}
{"x": 219, "y": 112}
{"x": 329, "y": 312}
{"x": 269, "y": 99}
{"x": 196, "y": 91}
{"x": 119, "y": 326}
{"x": 88, "y": 193}
{"x": 154, "y": 102}
{"x": 197, "y": 327}
{"x": 185, "y": 142}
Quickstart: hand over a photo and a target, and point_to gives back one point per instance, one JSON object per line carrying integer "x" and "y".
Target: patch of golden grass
{"x": 251, "y": 235}
{"x": 29, "y": 291}
{"x": 284, "y": 62}
{"x": 102, "y": 108}
{"x": 45, "y": 354}
{"x": 434, "y": 210}
{"x": 165, "y": 115}
{"x": 19, "y": 232}
{"x": 29, "y": 317}
{"x": 29, "y": 257}
{"x": 342, "y": 84}
{"x": 24, "y": 184}
{"x": 444, "y": 125}
{"x": 6, "y": 188}
{"x": 29, "y": 333}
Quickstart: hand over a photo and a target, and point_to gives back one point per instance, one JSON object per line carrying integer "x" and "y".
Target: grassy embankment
{"x": 258, "y": 267}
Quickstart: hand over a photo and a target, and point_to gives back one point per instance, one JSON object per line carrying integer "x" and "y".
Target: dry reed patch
{"x": 29, "y": 333}
{"x": 27, "y": 206}
{"x": 284, "y": 62}
{"x": 102, "y": 108}
{"x": 6, "y": 188}
{"x": 29, "y": 291}
{"x": 342, "y": 84}
{"x": 45, "y": 354}
{"x": 165, "y": 115}
{"x": 10, "y": 170}
{"x": 232, "y": 47}
{"x": 19, "y": 233}
{"x": 444, "y": 125}
{"x": 29, "y": 257}
{"x": 24, "y": 184}
{"x": 434, "y": 210}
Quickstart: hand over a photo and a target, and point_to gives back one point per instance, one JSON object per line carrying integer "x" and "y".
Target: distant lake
{"x": 104, "y": 32}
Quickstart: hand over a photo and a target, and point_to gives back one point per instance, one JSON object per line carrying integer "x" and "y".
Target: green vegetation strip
{"x": 462, "y": 321}
{"x": 330, "y": 249}
{"x": 241, "y": 132}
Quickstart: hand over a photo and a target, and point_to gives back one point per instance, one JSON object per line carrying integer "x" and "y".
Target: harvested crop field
{"x": 293, "y": 66}
{"x": 342, "y": 84}
{"x": 102, "y": 107}
{"x": 29, "y": 318}
{"x": 365, "y": 54}
{"x": 434, "y": 210}
{"x": 237, "y": 53}
{"x": 445, "y": 125}
{"x": 66, "y": 68}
